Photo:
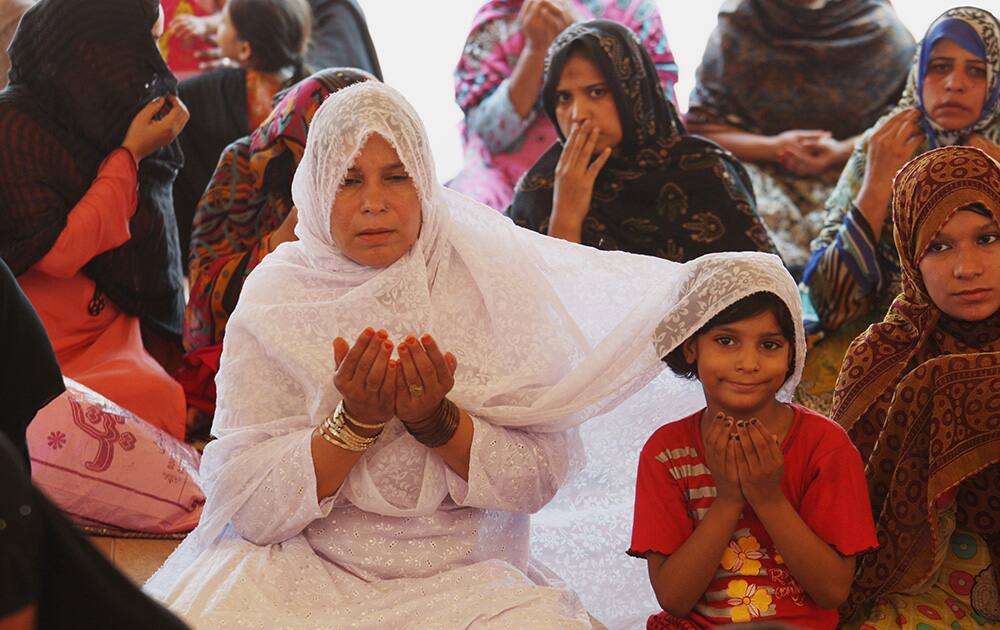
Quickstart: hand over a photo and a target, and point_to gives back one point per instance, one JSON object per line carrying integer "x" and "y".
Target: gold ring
{"x": 416, "y": 390}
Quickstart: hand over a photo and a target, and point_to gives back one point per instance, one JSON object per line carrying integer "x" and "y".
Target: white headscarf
{"x": 547, "y": 334}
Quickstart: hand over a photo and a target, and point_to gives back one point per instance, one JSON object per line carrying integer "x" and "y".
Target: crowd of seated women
{"x": 425, "y": 403}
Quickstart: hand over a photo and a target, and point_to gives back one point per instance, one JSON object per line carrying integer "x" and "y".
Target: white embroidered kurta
{"x": 289, "y": 561}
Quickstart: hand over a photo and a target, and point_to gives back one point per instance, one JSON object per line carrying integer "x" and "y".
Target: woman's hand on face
{"x": 893, "y": 145}
{"x": 427, "y": 377}
{"x": 984, "y": 144}
{"x": 760, "y": 464}
{"x": 365, "y": 377}
{"x": 576, "y": 174}
{"x": 149, "y": 130}
{"x": 720, "y": 455}
{"x": 541, "y": 21}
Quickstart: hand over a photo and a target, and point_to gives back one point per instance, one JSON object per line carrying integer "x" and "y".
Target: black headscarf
{"x": 773, "y": 65}
{"x": 30, "y": 376}
{"x": 80, "y": 72}
{"x": 662, "y": 192}
{"x": 340, "y": 37}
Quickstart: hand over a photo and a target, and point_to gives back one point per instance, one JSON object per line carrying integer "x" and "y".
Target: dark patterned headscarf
{"x": 80, "y": 72}
{"x": 918, "y": 392}
{"x": 774, "y": 65}
{"x": 663, "y": 192}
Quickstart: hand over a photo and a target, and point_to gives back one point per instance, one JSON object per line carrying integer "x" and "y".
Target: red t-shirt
{"x": 823, "y": 480}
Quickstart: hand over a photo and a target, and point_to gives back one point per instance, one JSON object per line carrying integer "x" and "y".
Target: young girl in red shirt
{"x": 752, "y": 509}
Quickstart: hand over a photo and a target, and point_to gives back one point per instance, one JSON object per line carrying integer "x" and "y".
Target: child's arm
{"x": 680, "y": 579}
{"x": 816, "y": 566}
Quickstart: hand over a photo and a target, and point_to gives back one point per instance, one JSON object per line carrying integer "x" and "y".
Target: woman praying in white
{"x": 387, "y": 481}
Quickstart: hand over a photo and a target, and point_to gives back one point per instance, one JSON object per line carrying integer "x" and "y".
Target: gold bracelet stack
{"x": 436, "y": 429}
{"x": 336, "y": 430}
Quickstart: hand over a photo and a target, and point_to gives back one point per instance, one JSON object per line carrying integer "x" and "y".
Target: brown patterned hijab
{"x": 918, "y": 392}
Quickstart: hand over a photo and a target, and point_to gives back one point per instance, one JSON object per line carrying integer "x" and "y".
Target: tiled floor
{"x": 137, "y": 558}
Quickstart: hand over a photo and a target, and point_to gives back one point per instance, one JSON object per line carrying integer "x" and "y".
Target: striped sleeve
{"x": 843, "y": 274}
{"x": 673, "y": 492}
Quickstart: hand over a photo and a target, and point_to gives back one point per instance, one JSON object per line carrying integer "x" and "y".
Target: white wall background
{"x": 419, "y": 43}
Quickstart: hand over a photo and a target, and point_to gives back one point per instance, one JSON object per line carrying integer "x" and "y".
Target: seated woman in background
{"x": 499, "y": 77}
{"x": 267, "y": 40}
{"x": 245, "y": 213}
{"x": 650, "y": 188}
{"x": 787, "y": 85}
{"x": 86, "y": 220}
{"x": 918, "y": 395}
{"x": 951, "y": 98}
{"x": 340, "y": 37}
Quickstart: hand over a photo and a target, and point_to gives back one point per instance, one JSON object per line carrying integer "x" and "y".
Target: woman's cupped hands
{"x": 377, "y": 387}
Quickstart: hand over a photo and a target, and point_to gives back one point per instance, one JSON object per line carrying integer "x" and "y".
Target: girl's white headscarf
{"x": 547, "y": 334}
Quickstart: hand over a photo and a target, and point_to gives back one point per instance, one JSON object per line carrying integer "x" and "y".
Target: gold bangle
{"x": 342, "y": 409}
{"x": 337, "y": 427}
{"x": 335, "y": 442}
{"x": 341, "y": 440}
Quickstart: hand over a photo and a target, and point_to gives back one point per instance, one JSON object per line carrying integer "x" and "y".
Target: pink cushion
{"x": 101, "y": 464}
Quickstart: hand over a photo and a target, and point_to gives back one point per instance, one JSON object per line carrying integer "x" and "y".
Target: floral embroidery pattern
{"x": 56, "y": 440}
{"x": 748, "y": 601}
{"x": 743, "y": 556}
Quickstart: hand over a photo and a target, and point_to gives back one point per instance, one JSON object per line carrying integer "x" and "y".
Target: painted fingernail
{"x": 402, "y": 347}
{"x": 369, "y": 331}
{"x": 383, "y": 334}
{"x": 393, "y": 363}
{"x": 426, "y": 339}
{"x": 411, "y": 340}
{"x": 388, "y": 345}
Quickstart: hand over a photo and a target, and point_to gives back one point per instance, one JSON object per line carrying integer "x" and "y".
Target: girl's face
{"x": 230, "y": 44}
{"x": 961, "y": 267}
{"x": 583, "y": 94}
{"x": 376, "y": 216}
{"x": 741, "y": 365}
{"x": 954, "y": 89}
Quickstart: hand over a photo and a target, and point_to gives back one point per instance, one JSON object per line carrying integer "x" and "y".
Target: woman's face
{"x": 583, "y": 94}
{"x": 960, "y": 267}
{"x": 376, "y": 217}
{"x": 954, "y": 89}
{"x": 230, "y": 44}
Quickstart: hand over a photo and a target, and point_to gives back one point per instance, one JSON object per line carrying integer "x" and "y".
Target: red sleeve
{"x": 99, "y": 221}
{"x": 836, "y": 505}
{"x": 661, "y": 522}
